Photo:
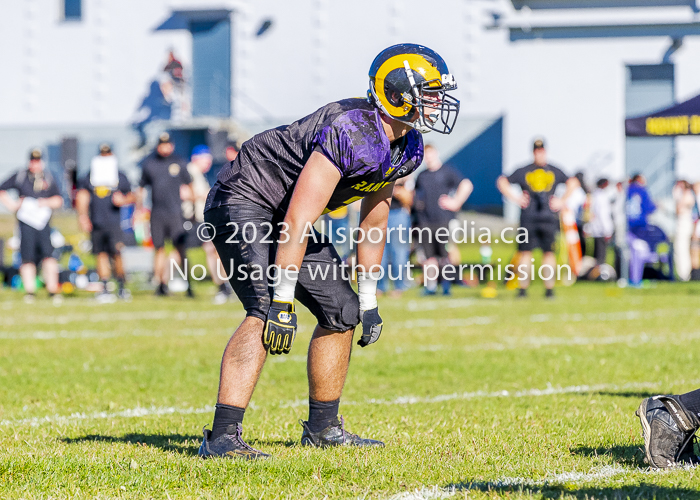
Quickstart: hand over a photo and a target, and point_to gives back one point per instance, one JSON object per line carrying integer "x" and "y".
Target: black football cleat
{"x": 230, "y": 445}
{"x": 669, "y": 430}
{"x": 334, "y": 435}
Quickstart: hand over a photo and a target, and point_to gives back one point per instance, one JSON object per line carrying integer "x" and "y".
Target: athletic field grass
{"x": 474, "y": 398}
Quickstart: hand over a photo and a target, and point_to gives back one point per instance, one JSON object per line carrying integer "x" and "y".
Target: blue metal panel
{"x": 481, "y": 161}
{"x": 72, "y": 10}
{"x": 673, "y": 30}
{"x": 598, "y": 4}
{"x": 211, "y": 62}
{"x": 181, "y": 19}
{"x": 649, "y": 88}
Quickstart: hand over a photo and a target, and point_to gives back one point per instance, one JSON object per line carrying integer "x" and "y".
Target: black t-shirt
{"x": 165, "y": 176}
{"x": 29, "y": 185}
{"x": 430, "y": 185}
{"x": 103, "y": 213}
{"x": 349, "y": 133}
{"x": 540, "y": 183}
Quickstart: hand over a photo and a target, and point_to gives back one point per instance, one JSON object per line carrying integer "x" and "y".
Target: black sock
{"x": 222, "y": 288}
{"x": 120, "y": 282}
{"x": 691, "y": 400}
{"x": 322, "y": 414}
{"x": 104, "y": 285}
{"x": 224, "y": 417}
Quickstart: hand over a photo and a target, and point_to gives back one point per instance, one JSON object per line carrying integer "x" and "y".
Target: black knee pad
{"x": 342, "y": 314}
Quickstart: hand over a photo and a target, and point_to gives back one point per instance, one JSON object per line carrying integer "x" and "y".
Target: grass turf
{"x": 474, "y": 398}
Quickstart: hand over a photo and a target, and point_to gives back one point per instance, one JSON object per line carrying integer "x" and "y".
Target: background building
{"x": 81, "y": 68}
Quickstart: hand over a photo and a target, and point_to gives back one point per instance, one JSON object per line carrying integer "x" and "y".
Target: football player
{"x": 266, "y": 199}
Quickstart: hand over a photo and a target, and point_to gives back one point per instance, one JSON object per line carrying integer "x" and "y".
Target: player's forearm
{"x": 54, "y": 202}
{"x": 371, "y": 248}
{"x": 464, "y": 190}
{"x": 126, "y": 199}
{"x": 506, "y": 189}
{"x": 292, "y": 245}
{"x": 82, "y": 201}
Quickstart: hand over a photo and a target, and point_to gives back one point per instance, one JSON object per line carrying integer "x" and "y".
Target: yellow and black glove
{"x": 280, "y": 328}
{"x": 371, "y": 327}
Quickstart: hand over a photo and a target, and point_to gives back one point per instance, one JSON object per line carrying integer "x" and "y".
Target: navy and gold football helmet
{"x": 409, "y": 83}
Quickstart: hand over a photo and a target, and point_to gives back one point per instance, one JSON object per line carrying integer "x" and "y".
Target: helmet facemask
{"x": 430, "y": 98}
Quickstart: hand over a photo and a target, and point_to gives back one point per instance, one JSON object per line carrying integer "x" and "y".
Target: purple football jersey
{"x": 348, "y": 132}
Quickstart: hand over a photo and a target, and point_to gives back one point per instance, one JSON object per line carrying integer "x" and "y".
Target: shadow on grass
{"x": 186, "y": 445}
{"x": 183, "y": 444}
{"x": 628, "y": 455}
{"x": 643, "y": 490}
{"x": 627, "y": 394}
{"x": 273, "y": 442}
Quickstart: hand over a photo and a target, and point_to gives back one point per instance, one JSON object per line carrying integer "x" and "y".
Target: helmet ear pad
{"x": 396, "y": 86}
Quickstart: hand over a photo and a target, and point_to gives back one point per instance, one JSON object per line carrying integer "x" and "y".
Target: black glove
{"x": 371, "y": 327}
{"x": 280, "y": 328}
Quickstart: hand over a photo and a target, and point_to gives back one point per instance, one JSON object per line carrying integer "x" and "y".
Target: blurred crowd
{"x": 558, "y": 212}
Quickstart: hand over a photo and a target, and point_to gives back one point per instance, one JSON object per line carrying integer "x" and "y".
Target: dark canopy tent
{"x": 679, "y": 120}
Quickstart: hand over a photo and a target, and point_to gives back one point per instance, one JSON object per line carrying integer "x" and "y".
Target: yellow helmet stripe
{"x": 417, "y": 62}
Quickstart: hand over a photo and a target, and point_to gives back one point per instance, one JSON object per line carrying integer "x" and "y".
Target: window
{"x": 72, "y": 10}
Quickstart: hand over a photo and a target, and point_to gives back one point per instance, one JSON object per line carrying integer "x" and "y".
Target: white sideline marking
{"x": 402, "y": 400}
{"x": 516, "y": 483}
{"x": 108, "y": 317}
{"x": 549, "y": 391}
{"x": 508, "y": 343}
{"x": 130, "y": 413}
{"x": 93, "y": 334}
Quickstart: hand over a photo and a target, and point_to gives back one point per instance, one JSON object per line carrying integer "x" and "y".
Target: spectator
{"x": 684, "y": 196}
{"x": 695, "y": 240}
{"x": 100, "y": 197}
{"x": 539, "y": 208}
{"x": 193, "y": 211}
{"x": 166, "y": 174}
{"x": 601, "y": 226}
{"x": 639, "y": 207}
{"x": 620, "y": 221}
{"x": 38, "y": 198}
{"x": 398, "y": 245}
{"x": 440, "y": 192}
{"x": 577, "y": 202}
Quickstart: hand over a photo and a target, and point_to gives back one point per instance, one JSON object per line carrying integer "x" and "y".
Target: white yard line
{"x": 516, "y": 483}
{"x": 401, "y": 400}
{"x": 130, "y": 413}
{"x": 532, "y": 342}
{"x": 119, "y": 317}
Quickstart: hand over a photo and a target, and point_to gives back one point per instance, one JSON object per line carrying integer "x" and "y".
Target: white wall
{"x": 570, "y": 92}
{"x": 93, "y": 71}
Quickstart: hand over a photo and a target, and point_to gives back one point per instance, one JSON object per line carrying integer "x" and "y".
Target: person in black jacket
{"x": 101, "y": 195}
{"x": 38, "y": 197}
{"x": 166, "y": 174}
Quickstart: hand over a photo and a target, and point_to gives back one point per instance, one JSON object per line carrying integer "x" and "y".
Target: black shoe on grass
{"x": 162, "y": 290}
{"x": 669, "y": 430}
{"x": 229, "y": 445}
{"x": 549, "y": 293}
{"x": 334, "y": 435}
{"x": 522, "y": 293}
